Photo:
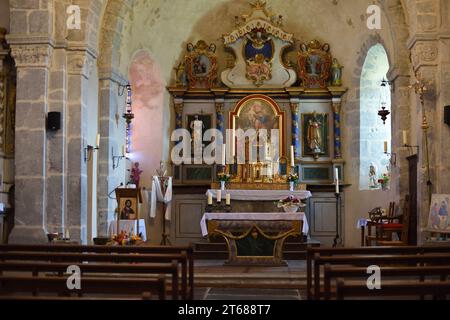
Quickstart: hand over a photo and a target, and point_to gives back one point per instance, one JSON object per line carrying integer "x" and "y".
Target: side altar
{"x": 259, "y": 79}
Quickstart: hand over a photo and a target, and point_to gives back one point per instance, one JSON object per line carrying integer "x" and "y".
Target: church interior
{"x": 224, "y": 149}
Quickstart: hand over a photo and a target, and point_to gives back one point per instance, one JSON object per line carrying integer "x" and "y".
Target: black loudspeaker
{"x": 447, "y": 115}
{"x": 54, "y": 121}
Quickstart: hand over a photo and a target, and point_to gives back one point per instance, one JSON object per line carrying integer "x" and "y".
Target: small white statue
{"x": 373, "y": 182}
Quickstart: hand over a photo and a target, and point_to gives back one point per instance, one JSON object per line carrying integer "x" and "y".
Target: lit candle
{"x": 228, "y": 199}
{"x": 210, "y": 199}
{"x": 337, "y": 181}
{"x": 385, "y": 147}
{"x": 405, "y": 138}
{"x": 219, "y": 196}
{"x": 98, "y": 140}
{"x": 292, "y": 157}
{"x": 224, "y": 150}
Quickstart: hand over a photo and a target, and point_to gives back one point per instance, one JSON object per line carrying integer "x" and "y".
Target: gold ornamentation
{"x": 314, "y": 63}
{"x": 201, "y": 65}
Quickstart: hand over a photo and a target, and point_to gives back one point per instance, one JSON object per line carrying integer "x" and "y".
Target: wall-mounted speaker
{"x": 54, "y": 121}
{"x": 447, "y": 115}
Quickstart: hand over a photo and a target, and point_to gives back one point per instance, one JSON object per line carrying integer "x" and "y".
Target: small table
{"x": 129, "y": 226}
{"x": 255, "y": 238}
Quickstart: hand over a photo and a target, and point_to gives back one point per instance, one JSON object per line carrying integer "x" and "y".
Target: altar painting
{"x": 259, "y": 112}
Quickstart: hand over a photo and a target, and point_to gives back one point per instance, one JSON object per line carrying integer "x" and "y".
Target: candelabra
{"x": 338, "y": 200}
{"x": 218, "y": 207}
{"x": 116, "y": 159}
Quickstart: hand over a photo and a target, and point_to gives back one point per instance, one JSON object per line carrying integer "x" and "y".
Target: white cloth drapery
{"x": 157, "y": 196}
{"x": 262, "y": 195}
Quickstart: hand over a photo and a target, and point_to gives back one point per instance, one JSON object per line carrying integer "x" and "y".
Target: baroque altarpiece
{"x": 271, "y": 81}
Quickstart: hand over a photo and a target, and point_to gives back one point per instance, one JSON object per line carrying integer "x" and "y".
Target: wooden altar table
{"x": 255, "y": 238}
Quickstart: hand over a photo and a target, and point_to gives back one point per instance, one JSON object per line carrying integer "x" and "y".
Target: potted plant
{"x": 293, "y": 181}
{"x": 384, "y": 181}
{"x": 223, "y": 178}
{"x": 290, "y": 204}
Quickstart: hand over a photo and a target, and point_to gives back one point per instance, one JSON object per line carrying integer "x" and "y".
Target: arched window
{"x": 373, "y": 133}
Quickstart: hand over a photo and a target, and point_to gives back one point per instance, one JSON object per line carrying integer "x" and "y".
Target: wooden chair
{"x": 387, "y": 229}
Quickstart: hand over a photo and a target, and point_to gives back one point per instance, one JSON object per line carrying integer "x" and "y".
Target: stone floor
{"x": 215, "y": 281}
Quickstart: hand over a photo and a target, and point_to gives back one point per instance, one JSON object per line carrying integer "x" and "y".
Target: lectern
{"x": 128, "y": 201}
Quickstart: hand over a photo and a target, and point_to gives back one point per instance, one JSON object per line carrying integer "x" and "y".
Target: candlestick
{"x": 405, "y": 138}
{"x": 292, "y": 157}
{"x": 219, "y": 196}
{"x": 224, "y": 150}
{"x": 98, "y": 140}
{"x": 228, "y": 199}
{"x": 385, "y": 147}
{"x": 337, "y": 180}
{"x": 210, "y": 199}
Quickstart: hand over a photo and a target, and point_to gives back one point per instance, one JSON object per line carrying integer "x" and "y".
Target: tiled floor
{"x": 215, "y": 281}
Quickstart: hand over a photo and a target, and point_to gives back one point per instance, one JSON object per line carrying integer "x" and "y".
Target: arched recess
{"x": 373, "y": 132}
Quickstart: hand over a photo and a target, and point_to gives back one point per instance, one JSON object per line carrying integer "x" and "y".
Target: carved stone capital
{"x": 295, "y": 108}
{"x": 32, "y": 55}
{"x": 80, "y": 63}
{"x": 219, "y": 107}
{"x": 337, "y": 107}
{"x": 179, "y": 108}
{"x": 424, "y": 53}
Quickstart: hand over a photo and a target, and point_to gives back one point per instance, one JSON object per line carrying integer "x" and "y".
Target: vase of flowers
{"x": 293, "y": 181}
{"x": 290, "y": 205}
{"x": 384, "y": 181}
{"x": 224, "y": 178}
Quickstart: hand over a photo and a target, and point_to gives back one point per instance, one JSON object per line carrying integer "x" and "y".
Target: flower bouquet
{"x": 124, "y": 239}
{"x": 293, "y": 180}
{"x": 223, "y": 178}
{"x": 384, "y": 181}
{"x": 290, "y": 204}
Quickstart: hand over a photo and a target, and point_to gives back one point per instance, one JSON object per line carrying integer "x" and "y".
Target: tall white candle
{"x": 219, "y": 196}
{"x": 98, "y": 140}
{"x": 224, "y": 150}
{"x": 337, "y": 180}
{"x": 210, "y": 199}
{"x": 405, "y": 137}
{"x": 228, "y": 199}
{"x": 292, "y": 157}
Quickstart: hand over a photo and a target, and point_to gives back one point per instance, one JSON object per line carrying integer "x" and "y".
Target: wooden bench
{"x": 436, "y": 289}
{"x": 312, "y": 253}
{"x": 99, "y": 269}
{"x": 79, "y": 258}
{"x": 416, "y": 273}
{"x": 13, "y": 286}
{"x": 189, "y": 250}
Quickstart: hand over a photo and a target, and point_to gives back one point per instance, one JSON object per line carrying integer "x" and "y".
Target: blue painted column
{"x": 295, "y": 111}
{"x": 220, "y": 120}
{"x": 179, "y": 104}
{"x": 337, "y": 128}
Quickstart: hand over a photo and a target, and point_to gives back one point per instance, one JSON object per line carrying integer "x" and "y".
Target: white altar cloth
{"x": 253, "y": 216}
{"x": 129, "y": 226}
{"x": 262, "y": 195}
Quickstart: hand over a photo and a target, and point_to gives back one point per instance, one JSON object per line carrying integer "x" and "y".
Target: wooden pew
{"x": 436, "y": 289}
{"x": 189, "y": 250}
{"x": 311, "y": 252}
{"x": 416, "y": 273}
{"x": 98, "y": 269}
{"x": 142, "y": 288}
{"x": 379, "y": 260}
{"x": 78, "y": 258}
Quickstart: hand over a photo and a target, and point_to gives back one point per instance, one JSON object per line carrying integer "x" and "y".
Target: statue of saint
{"x": 373, "y": 182}
{"x": 197, "y": 126}
{"x": 336, "y": 73}
{"x": 314, "y": 135}
{"x": 136, "y": 174}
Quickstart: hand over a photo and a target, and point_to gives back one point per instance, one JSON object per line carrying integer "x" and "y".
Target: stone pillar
{"x": 295, "y": 111}
{"x": 32, "y": 62}
{"x": 79, "y": 65}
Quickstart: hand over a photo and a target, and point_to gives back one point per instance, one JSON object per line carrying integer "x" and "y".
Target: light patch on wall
{"x": 147, "y": 128}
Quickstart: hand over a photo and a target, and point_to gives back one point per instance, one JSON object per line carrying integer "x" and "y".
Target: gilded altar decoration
{"x": 314, "y": 64}
{"x": 258, "y": 43}
{"x": 200, "y": 65}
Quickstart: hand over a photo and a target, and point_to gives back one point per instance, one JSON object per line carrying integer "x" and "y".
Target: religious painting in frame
{"x": 438, "y": 221}
{"x": 201, "y": 65}
{"x": 259, "y": 112}
{"x": 315, "y": 134}
{"x": 128, "y": 203}
{"x": 314, "y": 64}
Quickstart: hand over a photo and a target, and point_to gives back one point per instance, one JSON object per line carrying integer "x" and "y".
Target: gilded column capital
{"x": 219, "y": 107}
{"x": 179, "y": 108}
{"x": 295, "y": 108}
{"x": 337, "y": 106}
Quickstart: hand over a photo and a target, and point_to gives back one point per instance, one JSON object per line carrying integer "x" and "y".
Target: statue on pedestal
{"x": 314, "y": 136}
